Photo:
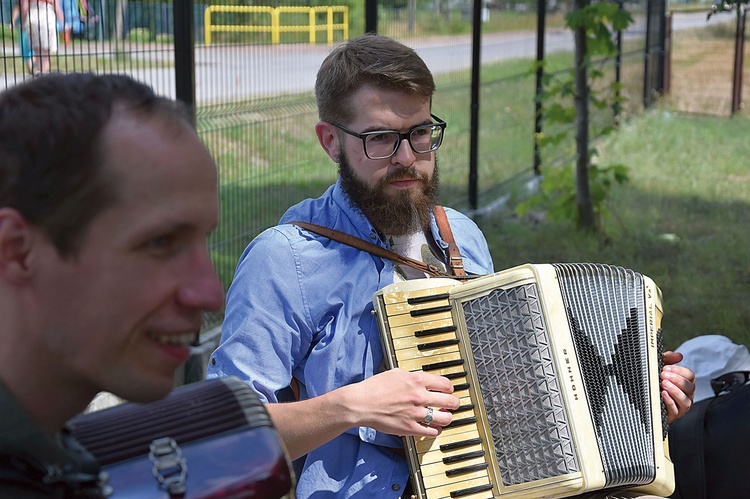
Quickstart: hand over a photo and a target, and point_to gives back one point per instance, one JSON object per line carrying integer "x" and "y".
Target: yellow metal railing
{"x": 274, "y": 25}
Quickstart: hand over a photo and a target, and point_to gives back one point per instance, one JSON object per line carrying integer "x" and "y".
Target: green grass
{"x": 265, "y": 165}
{"x": 682, "y": 220}
{"x": 455, "y": 22}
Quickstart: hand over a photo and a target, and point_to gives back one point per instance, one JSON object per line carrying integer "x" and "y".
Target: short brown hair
{"x": 370, "y": 59}
{"x": 50, "y": 152}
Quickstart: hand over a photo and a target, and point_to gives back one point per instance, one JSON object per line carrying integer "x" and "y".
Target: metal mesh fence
{"x": 100, "y": 37}
{"x": 254, "y": 73}
{"x": 702, "y": 63}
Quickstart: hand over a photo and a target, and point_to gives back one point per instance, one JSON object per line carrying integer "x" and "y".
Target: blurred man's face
{"x": 123, "y": 312}
{"x": 396, "y": 193}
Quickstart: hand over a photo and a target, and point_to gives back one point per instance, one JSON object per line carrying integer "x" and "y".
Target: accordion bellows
{"x": 557, "y": 367}
{"x": 211, "y": 440}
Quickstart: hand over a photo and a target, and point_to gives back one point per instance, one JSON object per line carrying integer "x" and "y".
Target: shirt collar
{"x": 21, "y": 435}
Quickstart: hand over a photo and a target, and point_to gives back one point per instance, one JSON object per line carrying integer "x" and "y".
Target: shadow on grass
{"x": 696, "y": 251}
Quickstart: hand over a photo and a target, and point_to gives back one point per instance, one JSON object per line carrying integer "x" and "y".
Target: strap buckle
{"x": 170, "y": 468}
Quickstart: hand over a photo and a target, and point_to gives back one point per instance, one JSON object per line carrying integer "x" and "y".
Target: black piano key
{"x": 437, "y": 344}
{"x": 461, "y": 422}
{"x": 460, "y": 386}
{"x": 471, "y": 490}
{"x": 428, "y": 311}
{"x": 434, "y": 330}
{"x": 455, "y": 375}
{"x": 463, "y": 457}
{"x": 465, "y": 407}
{"x": 459, "y": 445}
{"x": 426, "y": 299}
{"x": 442, "y": 365}
{"x": 466, "y": 469}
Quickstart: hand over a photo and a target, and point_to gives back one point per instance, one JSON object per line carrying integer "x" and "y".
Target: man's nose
{"x": 202, "y": 290}
{"x": 404, "y": 154}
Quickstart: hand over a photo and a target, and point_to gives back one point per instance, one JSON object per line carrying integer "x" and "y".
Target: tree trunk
{"x": 120, "y": 8}
{"x": 583, "y": 192}
{"x": 411, "y": 7}
{"x": 739, "y": 50}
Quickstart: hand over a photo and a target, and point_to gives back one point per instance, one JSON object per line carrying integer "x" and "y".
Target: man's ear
{"x": 15, "y": 245}
{"x": 328, "y": 139}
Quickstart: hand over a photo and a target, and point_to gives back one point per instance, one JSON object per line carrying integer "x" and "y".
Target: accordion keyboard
{"x": 423, "y": 336}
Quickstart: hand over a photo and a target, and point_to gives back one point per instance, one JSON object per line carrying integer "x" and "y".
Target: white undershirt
{"x": 414, "y": 246}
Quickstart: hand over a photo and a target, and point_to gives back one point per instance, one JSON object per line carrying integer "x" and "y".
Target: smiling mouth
{"x": 181, "y": 340}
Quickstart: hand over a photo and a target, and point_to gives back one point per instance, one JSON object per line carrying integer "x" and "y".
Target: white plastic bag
{"x": 710, "y": 356}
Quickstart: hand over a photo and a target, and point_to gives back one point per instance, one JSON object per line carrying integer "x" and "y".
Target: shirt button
{"x": 213, "y": 361}
{"x": 373, "y": 236}
{"x": 395, "y": 487}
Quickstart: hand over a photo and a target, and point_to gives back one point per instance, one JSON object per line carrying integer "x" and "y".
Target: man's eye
{"x": 379, "y": 137}
{"x": 160, "y": 242}
{"x": 420, "y": 132}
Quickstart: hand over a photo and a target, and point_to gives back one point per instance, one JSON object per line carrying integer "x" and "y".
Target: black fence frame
{"x": 655, "y": 56}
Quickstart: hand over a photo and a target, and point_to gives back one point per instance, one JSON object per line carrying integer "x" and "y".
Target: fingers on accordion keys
{"x": 429, "y": 417}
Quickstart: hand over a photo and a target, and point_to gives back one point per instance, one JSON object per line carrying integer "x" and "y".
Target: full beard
{"x": 406, "y": 212}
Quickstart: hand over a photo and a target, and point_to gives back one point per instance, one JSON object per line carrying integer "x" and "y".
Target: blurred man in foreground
{"x": 107, "y": 196}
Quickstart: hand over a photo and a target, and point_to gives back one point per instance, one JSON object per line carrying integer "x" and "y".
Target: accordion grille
{"x": 516, "y": 370}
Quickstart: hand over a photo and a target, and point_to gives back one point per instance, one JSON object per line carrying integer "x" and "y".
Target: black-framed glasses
{"x": 729, "y": 381}
{"x": 382, "y": 144}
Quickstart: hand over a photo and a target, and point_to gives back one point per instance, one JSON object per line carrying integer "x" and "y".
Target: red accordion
{"x": 212, "y": 439}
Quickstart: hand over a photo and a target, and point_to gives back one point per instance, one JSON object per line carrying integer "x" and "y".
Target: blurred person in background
{"x": 24, "y": 45}
{"x": 40, "y": 19}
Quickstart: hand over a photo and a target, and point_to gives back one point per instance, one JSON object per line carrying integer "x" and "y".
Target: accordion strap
{"x": 356, "y": 242}
{"x": 455, "y": 263}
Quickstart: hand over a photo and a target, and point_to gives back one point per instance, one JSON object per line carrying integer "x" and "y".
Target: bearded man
{"x": 300, "y": 311}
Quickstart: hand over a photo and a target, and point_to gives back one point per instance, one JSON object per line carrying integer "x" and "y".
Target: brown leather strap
{"x": 294, "y": 385}
{"x": 455, "y": 263}
{"x": 356, "y": 242}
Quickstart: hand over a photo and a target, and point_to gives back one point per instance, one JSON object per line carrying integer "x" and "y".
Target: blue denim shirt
{"x": 300, "y": 305}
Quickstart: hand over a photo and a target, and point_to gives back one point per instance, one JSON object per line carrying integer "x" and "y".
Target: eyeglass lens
{"x": 729, "y": 381}
{"x": 423, "y": 139}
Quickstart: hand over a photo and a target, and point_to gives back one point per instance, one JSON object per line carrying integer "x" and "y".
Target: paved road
{"x": 235, "y": 74}
{"x": 259, "y": 71}
{"x": 249, "y": 72}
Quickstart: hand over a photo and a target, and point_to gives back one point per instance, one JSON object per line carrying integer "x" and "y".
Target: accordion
{"x": 212, "y": 439}
{"x": 557, "y": 368}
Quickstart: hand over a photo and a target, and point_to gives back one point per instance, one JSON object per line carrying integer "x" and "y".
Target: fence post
{"x": 311, "y": 19}
{"x": 541, "y": 16}
{"x": 275, "y": 26}
{"x": 662, "y": 42}
{"x": 617, "y": 107}
{"x": 667, "y": 52}
{"x": 346, "y": 24}
{"x": 184, "y": 54}
{"x": 739, "y": 52}
{"x": 330, "y": 25}
{"x": 653, "y": 58}
{"x": 476, "y": 64}
{"x": 371, "y": 16}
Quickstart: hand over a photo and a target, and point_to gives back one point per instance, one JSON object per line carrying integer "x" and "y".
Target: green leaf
{"x": 621, "y": 19}
{"x": 575, "y": 18}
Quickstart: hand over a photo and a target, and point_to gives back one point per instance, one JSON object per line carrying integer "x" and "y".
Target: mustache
{"x": 403, "y": 174}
